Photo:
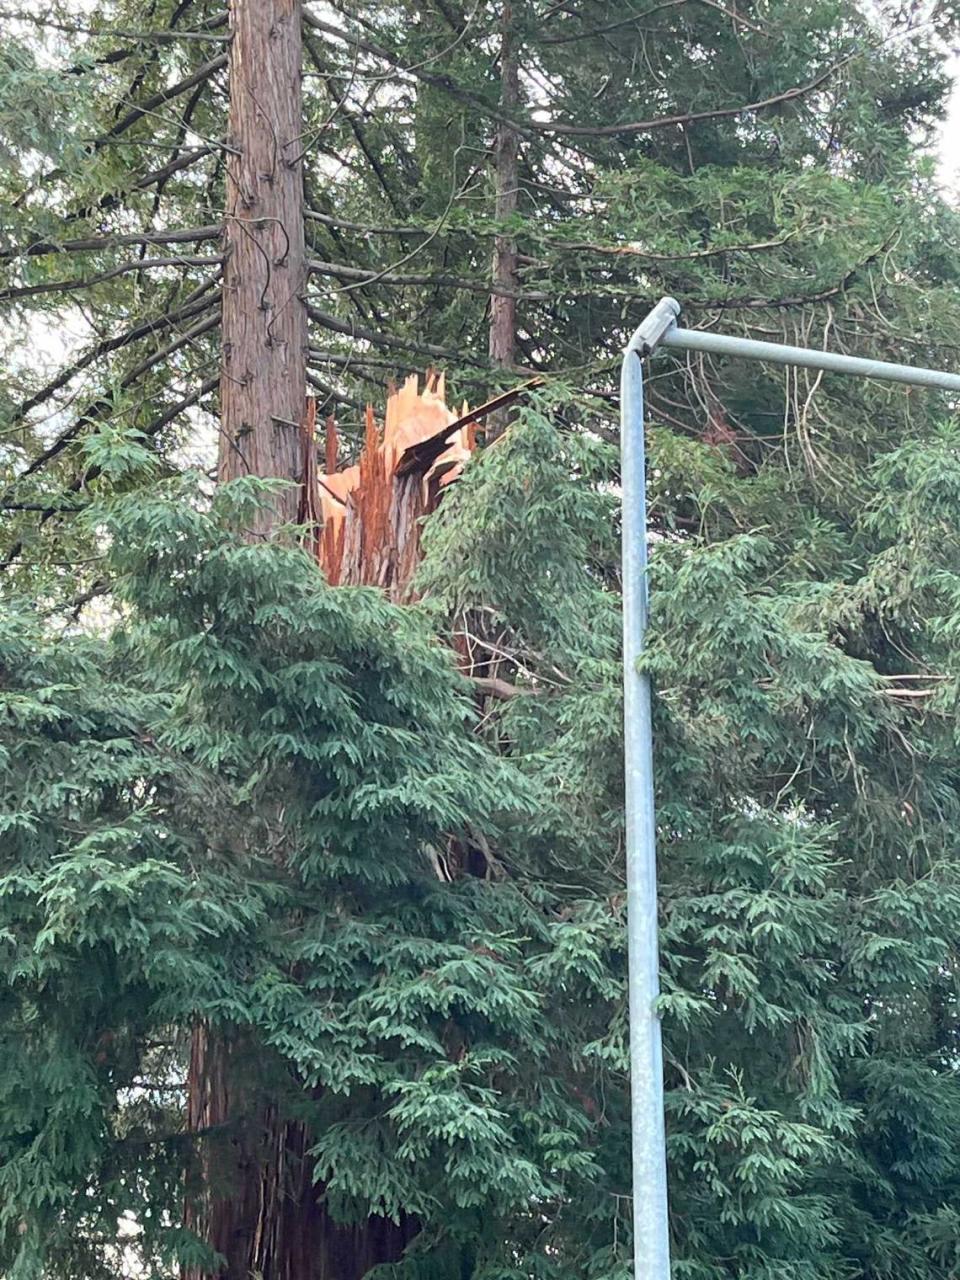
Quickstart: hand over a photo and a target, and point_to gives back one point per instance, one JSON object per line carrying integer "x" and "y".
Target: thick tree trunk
{"x": 506, "y": 152}
{"x": 263, "y": 376}
{"x": 260, "y": 1208}
{"x": 253, "y": 1197}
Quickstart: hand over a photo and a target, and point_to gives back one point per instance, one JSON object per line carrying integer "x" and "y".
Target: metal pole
{"x": 803, "y": 357}
{"x": 651, "y": 1246}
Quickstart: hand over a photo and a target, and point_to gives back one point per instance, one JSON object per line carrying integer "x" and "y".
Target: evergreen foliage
{"x": 243, "y": 798}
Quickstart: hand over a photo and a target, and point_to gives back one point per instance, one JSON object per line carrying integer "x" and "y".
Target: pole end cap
{"x": 661, "y": 320}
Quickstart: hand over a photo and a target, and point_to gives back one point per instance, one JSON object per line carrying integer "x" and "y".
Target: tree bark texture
{"x": 506, "y": 155}
{"x": 260, "y": 1207}
{"x": 263, "y": 374}
{"x": 251, "y": 1194}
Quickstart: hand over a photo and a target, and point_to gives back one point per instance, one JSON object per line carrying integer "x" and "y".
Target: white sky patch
{"x": 950, "y": 139}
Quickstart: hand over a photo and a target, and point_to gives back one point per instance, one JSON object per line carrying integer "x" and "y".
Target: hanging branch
{"x": 797, "y": 300}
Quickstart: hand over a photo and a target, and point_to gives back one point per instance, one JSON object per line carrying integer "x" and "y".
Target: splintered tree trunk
{"x": 252, "y": 1196}
{"x": 503, "y": 305}
{"x": 263, "y": 375}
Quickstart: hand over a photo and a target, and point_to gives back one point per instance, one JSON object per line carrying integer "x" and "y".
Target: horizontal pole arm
{"x": 719, "y": 344}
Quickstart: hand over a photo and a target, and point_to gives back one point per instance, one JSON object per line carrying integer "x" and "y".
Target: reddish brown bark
{"x": 257, "y": 1204}
{"x": 253, "y": 1198}
{"x": 506, "y": 154}
{"x": 262, "y": 1211}
{"x": 263, "y": 375}
{"x": 252, "y": 1195}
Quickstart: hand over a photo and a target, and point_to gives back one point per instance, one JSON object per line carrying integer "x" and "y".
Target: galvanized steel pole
{"x": 651, "y": 1246}
{"x": 651, "y": 1243}
{"x": 720, "y": 344}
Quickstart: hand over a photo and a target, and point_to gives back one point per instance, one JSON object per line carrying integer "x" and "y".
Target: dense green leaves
{"x": 232, "y": 795}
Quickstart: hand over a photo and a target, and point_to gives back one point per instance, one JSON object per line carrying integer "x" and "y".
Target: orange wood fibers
{"x": 371, "y": 512}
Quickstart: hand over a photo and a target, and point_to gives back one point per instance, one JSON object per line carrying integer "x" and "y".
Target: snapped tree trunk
{"x": 506, "y": 153}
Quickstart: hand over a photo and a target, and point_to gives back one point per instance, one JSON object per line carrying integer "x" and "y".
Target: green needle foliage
{"x": 227, "y": 813}
{"x": 240, "y": 799}
{"x": 807, "y": 793}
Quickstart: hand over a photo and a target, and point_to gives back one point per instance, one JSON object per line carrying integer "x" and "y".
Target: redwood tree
{"x": 270, "y": 816}
{"x": 260, "y": 1207}
{"x": 264, "y": 323}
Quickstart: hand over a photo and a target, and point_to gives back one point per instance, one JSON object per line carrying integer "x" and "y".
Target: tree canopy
{"x": 242, "y": 803}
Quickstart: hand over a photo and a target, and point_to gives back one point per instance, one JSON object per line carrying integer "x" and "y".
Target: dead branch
{"x": 503, "y": 690}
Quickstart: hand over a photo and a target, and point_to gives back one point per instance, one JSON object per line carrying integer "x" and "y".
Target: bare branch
{"x": 332, "y": 393}
{"x": 182, "y": 161}
{"x": 342, "y": 272}
{"x": 81, "y": 282}
{"x": 158, "y": 99}
{"x": 349, "y": 360}
{"x": 188, "y": 235}
{"x": 797, "y": 300}
{"x": 631, "y": 251}
{"x": 336, "y": 325}
{"x": 494, "y": 687}
{"x": 340, "y": 224}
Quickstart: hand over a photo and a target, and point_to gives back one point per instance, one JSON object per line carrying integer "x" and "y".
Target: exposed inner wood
{"x": 372, "y": 511}
{"x": 368, "y": 516}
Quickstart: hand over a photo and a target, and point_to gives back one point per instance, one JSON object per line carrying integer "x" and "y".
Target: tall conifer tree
{"x": 228, "y": 815}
